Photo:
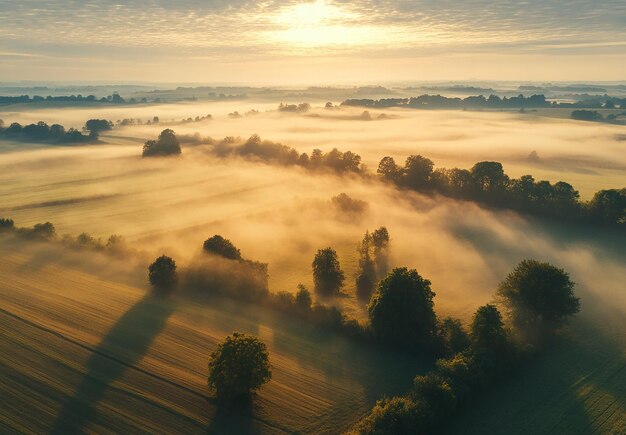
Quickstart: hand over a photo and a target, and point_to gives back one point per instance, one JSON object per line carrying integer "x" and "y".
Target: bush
{"x": 238, "y": 367}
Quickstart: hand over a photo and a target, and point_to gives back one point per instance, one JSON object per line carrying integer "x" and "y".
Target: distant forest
{"x": 480, "y": 101}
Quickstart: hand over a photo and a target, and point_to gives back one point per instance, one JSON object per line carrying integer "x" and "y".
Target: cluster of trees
{"x": 294, "y": 108}
{"x": 477, "y": 102}
{"x": 269, "y": 151}
{"x": 539, "y": 298}
{"x": 42, "y": 132}
{"x": 594, "y": 115}
{"x": 115, "y": 98}
{"x": 167, "y": 144}
{"x": 487, "y": 182}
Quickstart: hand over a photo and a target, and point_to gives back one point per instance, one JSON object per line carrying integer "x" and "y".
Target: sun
{"x": 318, "y": 24}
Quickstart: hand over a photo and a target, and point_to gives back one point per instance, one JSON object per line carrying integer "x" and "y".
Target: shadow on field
{"x": 235, "y": 418}
{"x": 573, "y": 387}
{"x": 122, "y": 347}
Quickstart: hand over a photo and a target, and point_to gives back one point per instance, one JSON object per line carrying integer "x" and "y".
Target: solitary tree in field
{"x": 95, "y": 126}
{"x": 220, "y": 246}
{"x": 327, "y": 274}
{"x": 238, "y": 367}
{"x": 167, "y": 144}
{"x": 162, "y": 273}
{"x": 401, "y": 310}
{"x": 539, "y": 297}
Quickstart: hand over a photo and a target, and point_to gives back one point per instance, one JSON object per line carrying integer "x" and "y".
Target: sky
{"x": 312, "y": 42}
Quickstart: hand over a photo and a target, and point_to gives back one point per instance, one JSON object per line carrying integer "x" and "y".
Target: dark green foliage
{"x": 398, "y": 415}
{"x": 366, "y": 277}
{"x": 539, "y": 297}
{"x": 489, "y": 176}
{"x": 401, "y": 310}
{"x": 417, "y": 172}
{"x": 608, "y": 207}
{"x": 166, "y": 145}
{"x": 380, "y": 244}
{"x": 303, "y": 300}
{"x": 587, "y": 115}
{"x": 487, "y": 328}
{"x": 162, "y": 273}
{"x": 327, "y": 274}
{"x": 42, "y": 132}
{"x": 96, "y": 126}
{"x": 453, "y": 336}
{"x": 238, "y": 367}
{"x": 223, "y": 247}
{"x": 388, "y": 170}
{"x": 42, "y": 231}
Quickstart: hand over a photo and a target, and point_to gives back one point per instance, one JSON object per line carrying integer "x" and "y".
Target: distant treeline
{"x": 480, "y": 101}
{"x": 55, "y": 133}
{"x": 594, "y": 115}
{"x": 112, "y": 99}
{"x": 487, "y": 182}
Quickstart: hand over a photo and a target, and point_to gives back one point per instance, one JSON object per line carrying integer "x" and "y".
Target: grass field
{"x": 82, "y": 351}
{"x": 83, "y": 343}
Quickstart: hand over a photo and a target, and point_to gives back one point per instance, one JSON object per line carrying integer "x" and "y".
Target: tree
{"x": 223, "y": 247}
{"x": 489, "y": 176}
{"x": 162, "y": 273}
{"x": 487, "y": 328}
{"x": 96, "y": 126}
{"x": 539, "y": 297}
{"x": 388, "y": 170}
{"x": 608, "y": 207}
{"x": 366, "y": 276}
{"x": 238, "y": 367}
{"x": 6, "y": 224}
{"x": 327, "y": 274}
{"x": 398, "y": 415}
{"x": 401, "y": 310}
{"x": 417, "y": 172}
{"x": 303, "y": 300}
{"x": 380, "y": 242}
{"x": 45, "y": 230}
{"x": 166, "y": 144}
{"x": 454, "y": 337}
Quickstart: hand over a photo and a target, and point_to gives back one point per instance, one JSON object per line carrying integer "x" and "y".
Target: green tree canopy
{"x": 401, "y": 310}
{"x": 239, "y": 366}
{"x": 539, "y": 297}
{"x": 327, "y": 274}
{"x": 162, "y": 273}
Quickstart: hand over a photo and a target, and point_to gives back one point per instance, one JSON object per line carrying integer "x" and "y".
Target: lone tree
{"x": 162, "y": 273}
{"x": 238, "y": 367}
{"x": 167, "y": 144}
{"x": 401, "y": 310}
{"x": 327, "y": 274}
{"x": 539, "y": 297}
{"x": 218, "y": 245}
{"x": 366, "y": 276}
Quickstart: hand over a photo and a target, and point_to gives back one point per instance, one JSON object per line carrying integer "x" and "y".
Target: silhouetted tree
{"x": 417, "y": 171}
{"x": 489, "y": 176}
{"x": 238, "y": 367}
{"x": 327, "y": 274}
{"x": 539, "y": 297}
{"x": 366, "y": 276}
{"x": 6, "y": 224}
{"x": 96, "y": 126}
{"x": 380, "y": 243}
{"x": 401, "y": 310}
{"x": 166, "y": 144}
{"x": 454, "y": 337}
{"x": 388, "y": 170}
{"x": 608, "y": 207}
{"x": 303, "y": 300}
{"x": 44, "y": 231}
{"x": 223, "y": 247}
{"x": 162, "y": 273}
{"x": 488, "y": 329}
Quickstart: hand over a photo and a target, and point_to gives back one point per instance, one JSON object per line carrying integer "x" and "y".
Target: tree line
{"x": 487, "y": 182}
{"x": 480, "y": 101}
{"x": 55, "y": 133}
{"x": 114, "y": 98}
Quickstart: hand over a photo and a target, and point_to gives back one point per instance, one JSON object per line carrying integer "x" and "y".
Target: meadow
{"x": 82, "y": 324}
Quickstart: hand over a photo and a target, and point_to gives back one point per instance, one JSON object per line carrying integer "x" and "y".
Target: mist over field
{"x": 283, "y": 215}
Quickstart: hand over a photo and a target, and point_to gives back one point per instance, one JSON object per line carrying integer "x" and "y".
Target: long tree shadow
{"x": 122, "y": 347}
{"x": 234, "y": 418}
